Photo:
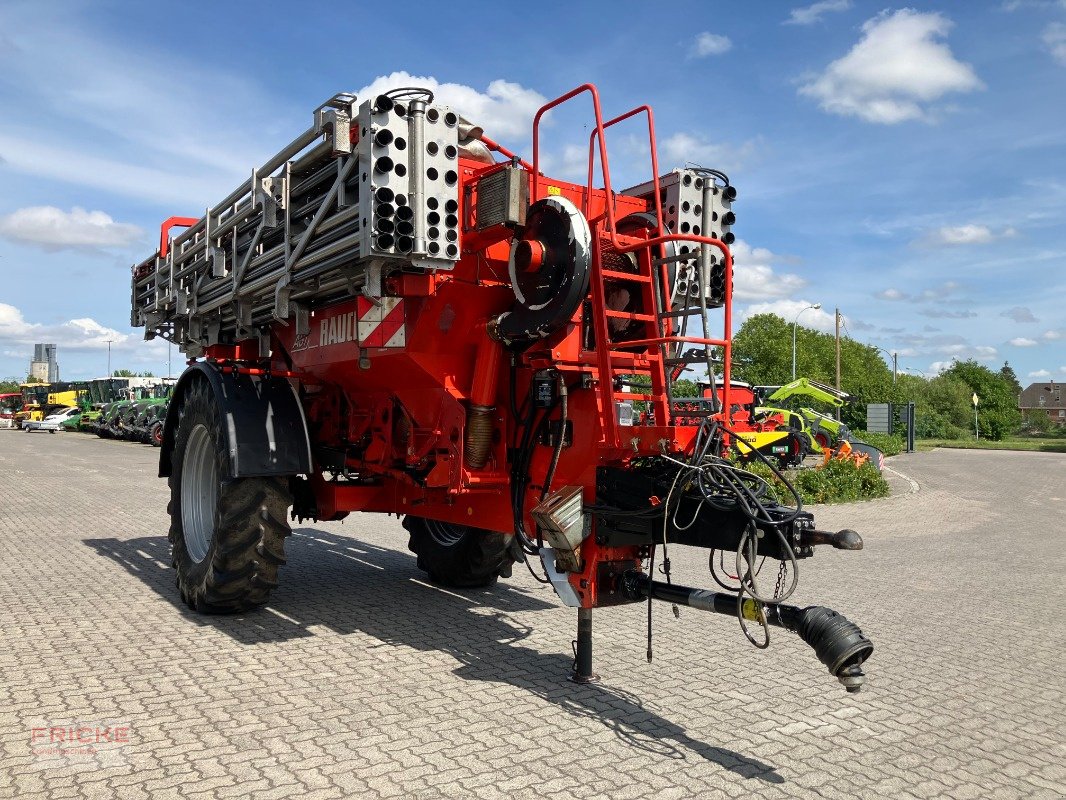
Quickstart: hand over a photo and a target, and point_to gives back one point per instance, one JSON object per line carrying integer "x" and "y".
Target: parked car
{"x": 52, "y": 422}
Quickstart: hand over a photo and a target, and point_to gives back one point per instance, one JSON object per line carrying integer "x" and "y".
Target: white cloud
{"x": 942, "y": 291}
{"x": 1051, "y": 336}
{"x": 188, "y": 150}
{"x": 1019, "y": 314}
{"x": 681, "y": 148}
{"x": 817, "y": 318}
{"x": 956, "y": 235}
{"x": 891, "y": 294}
{"x": 76, "y": 333}
{"x": 937, "y": 293}
{"x": 505, "y": 109}
{"x": 709, "y": 44}
{"x": 938, "y": 366}
{"x": 754, "y": 277}
{"x": 1054, "y": 37}
{"x": 979, "y": 352}
{"x": 185, "y": 151}
{"x": 1021, "y": 341}
{"x": 192, "y": 188}
{"x": 84, "y": 337}
{"x": 54, "y": 229}
{"x": 573, "y": 164}
{"x": 1040, "y": 373}
{"x": 808, "y": 15}
{"x": 896, "y": 72}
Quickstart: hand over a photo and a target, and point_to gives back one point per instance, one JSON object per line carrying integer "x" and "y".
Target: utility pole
{"x": 895, "y": 367}
{"x": 109, "y": 357}
{"x": 837, "y": 318}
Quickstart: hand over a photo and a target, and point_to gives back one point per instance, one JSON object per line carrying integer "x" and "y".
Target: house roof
{"x": 1043, "y": 394}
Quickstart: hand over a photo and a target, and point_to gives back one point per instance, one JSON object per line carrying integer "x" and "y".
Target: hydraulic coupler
{"x": 838, "y": 642}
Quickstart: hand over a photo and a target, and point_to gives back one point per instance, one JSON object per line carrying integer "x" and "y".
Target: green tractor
{"x": 825, "y": 433}
{"x": 151, "y": 422}
{"x": 138, "y": 422}
{"x": 823, "y": 430}
{"x": 107, "y": 424}
{"x": 102, "y": 392}
{"x": 122, "y": 418}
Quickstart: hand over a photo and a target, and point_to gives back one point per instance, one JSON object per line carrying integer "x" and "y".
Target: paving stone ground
{"x": 362, "y": 680}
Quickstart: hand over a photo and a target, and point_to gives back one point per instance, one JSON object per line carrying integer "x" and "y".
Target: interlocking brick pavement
{"x": 362, "y": 680}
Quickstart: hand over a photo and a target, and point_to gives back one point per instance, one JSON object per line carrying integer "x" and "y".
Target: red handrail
{"x": 597, "y": 131}
{"x": 654, "y": 160}
{"x": 598, "y": 134}
{"x": 164, "y": 231}
{"x": 499, "y": 148}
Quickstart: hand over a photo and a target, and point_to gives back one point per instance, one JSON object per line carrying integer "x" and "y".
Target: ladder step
{"x": 625, "y": 276}
{"x": 673, "y": 362}
{"x": 632, "y": 396}
{"x": 628, "y": 315}
{"x": 684, "y": 312}
{"x": 658, "y": 262}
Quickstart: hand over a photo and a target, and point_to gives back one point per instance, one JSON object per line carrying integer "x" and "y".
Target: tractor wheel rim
{"x": 157, "y": 434}
{"x": 199, "y": 493}
{"x": 443, "y": 534}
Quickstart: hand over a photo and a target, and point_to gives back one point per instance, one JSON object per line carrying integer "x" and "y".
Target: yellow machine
{"x": 41, "y": 399}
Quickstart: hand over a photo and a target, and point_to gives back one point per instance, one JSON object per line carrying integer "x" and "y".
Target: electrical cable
{"x": 558, "y": 450}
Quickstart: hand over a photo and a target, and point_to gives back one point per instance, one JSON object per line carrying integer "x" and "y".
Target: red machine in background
{"x": 754, "y": 432}
{"x": 388, "y": 319}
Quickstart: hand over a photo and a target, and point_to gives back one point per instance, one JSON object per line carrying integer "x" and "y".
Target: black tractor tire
{"x": 459, "y": 556}
{"x": 798, "y": 449}
{"x": 227, "y": 556}
{"x": 155, "y": 434}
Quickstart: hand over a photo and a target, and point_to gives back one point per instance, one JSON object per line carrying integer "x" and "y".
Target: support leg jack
{"x": 582, "y": 672}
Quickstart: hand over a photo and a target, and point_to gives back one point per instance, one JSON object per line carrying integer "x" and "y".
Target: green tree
{"x": 942, "y": 408}
{"x": 762, "y": 355}
{"x": 683, "y": 387}
{"x": 128, "y": 373}
{"x": 1037, "y": 420}
{"x": 33, "y": 379}
{"x": 9, "y": 385}
{"x": 1007, "y": 373}
{"x": 997, "y": 411}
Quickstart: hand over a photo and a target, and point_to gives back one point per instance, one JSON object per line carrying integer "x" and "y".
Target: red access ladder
{"x": 647, "y": 354}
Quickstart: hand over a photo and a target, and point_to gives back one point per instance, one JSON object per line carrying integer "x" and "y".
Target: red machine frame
{"x": 411, "y": 402}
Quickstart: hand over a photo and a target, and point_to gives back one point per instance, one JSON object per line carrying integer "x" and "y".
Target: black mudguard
{"x": 263, "y": 422}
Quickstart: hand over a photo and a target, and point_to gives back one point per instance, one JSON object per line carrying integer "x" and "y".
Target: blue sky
{"x": 905, "y": 163}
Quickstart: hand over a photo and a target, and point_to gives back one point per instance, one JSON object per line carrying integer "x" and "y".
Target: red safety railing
{"x": 654, "y": 160}
{"x": 598, "y": 136}
{"x": 164, "y": 231}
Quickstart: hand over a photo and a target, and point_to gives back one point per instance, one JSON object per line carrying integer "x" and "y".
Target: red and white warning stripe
{"x": 364, "y": 323}
{"x": 381, "y": 325}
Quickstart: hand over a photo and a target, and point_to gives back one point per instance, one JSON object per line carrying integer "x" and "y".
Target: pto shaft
{"x": 838, "y": 642}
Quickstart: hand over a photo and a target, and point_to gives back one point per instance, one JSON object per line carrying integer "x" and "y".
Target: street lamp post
{"x": 109, "y": 357}
{"x": 795, "y": 323}
{"x": 895, "y": 362}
